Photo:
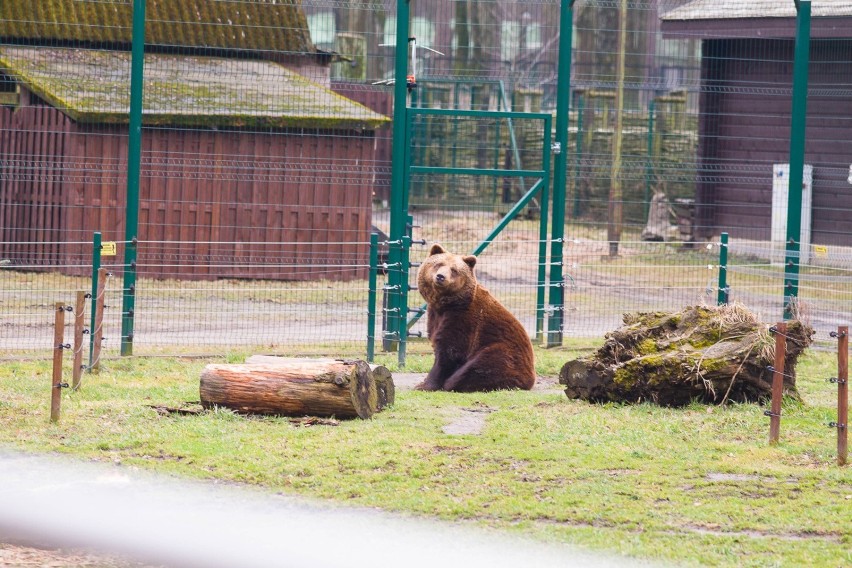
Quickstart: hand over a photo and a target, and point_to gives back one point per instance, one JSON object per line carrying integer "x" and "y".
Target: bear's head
{"x": 445, "y": 278}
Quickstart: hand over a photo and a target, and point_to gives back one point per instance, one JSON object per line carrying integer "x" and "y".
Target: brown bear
{"x": 479, "y": 345}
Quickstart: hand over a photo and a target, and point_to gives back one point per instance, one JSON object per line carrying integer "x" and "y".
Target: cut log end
{"x": 362, "y": 389}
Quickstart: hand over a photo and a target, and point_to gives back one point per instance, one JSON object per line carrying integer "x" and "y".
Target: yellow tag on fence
{"x": 108, "y": 248}
{"x": 820, "y": 250}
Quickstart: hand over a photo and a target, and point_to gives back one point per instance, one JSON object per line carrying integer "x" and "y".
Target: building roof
{"x": 93, "y": 86}
{"x": 258, "y": 25}
{"x": 711, "y": 19}
{"x": 737, "y": 9}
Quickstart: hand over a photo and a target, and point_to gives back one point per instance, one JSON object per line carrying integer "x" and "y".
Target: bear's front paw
{"x": 427, "y": 386}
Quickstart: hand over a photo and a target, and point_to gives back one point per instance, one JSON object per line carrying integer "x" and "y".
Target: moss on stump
{"x": 709, "y": 354}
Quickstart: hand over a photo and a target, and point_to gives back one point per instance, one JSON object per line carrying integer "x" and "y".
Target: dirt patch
{"x": 22, "y": 556}
{"x": 470, "y": 422}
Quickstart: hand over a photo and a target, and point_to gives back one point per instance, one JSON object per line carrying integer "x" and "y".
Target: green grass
{"x": 695, "y": 486}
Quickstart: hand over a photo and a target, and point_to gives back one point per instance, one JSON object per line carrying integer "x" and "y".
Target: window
{"x": 322, "y": 28}
{"x": 517, "y": 36}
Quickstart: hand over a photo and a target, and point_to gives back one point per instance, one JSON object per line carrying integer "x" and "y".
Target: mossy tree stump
{"x": 705, "y": 354}
{"x": 298, "y": 387}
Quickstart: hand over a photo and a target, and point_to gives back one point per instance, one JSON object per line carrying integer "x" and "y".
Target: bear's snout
{"x": 439, "y": 278}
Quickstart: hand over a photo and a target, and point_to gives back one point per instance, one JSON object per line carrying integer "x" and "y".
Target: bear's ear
{"x": 470, "y": 261}
{"x": 436, "y": 249}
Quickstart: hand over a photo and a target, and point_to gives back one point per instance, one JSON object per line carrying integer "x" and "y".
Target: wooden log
{"x": 385, "y": 388}
{"x": 293, "y": 387}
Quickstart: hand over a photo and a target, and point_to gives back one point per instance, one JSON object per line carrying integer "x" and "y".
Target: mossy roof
{"x": 93, "y": 86}
{"x": 258, "y": 25}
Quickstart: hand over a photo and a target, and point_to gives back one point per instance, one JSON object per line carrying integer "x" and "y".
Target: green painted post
{"x": 399, "y": 170}
{"x": 801, "y": 62}
{"x": 722, "y": 297}
{"x": 556, "y": 304}
{"x": 544, "y": 198}
{"x": 371, "y": 297}
{"x": 649, "y": 162}
{"x": 578, "y": 153}
{"x": 134, "y": 158}
{"x": 96, "y": 266}
{"x": 405, "y": 268}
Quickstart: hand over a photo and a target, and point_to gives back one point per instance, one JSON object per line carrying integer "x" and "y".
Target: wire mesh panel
{"x": 266, "y": 160}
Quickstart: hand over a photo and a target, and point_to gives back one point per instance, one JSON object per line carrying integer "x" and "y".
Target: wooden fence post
{"x": 56, "y": 378}
{"x": 780, "y": 331}
{"x": 842, "y": 423}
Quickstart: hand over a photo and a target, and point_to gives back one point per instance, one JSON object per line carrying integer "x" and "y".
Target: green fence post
{"x": 371, "y": 297}
{"x": 134, "y": 158}
{"x": 723, "y": 293}
{"x": 405, "y": 267}
{"x": 399, "y": 170}
{"x": 797, "y": 155}
{"x": 96, "y": 266}
{"x": 556, "y": 304}
{"x": 544, "y": 198}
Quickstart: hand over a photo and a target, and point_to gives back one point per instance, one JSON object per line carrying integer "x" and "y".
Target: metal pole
{"x": 96, "y": 267}
{"x": 722, "y": 297}
{"x": 134, "y": 159}
{"x": 399, "y": 170}
{"x": 371, "y": 297}
{"x": 542, "y": 235}
{"x": 556, "y": 304}
{"x": 797, "y": 155}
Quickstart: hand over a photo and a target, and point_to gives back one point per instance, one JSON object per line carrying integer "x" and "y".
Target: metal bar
{"x": 842, "y": 394}
{"x": 475, "y": 171}
{"x": 542, "y": 235}
{"x": 563, "y": 104}
{"x": 58, "y": 347}
{"x": 513, "y": 212}
{"x": 134, "y": 160}
{"x": 371, "y": 297}
{"x": 722, "y": 297}
{"x": 399, "y": 169}
{"x": 96, "y": 267}
{"x": 79, "y": 313}
{"x": 797, "y": 155}
{"x": 777, "y": 381}
{"x": 405, "y": 267}
{"x": 481, "y": 113}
